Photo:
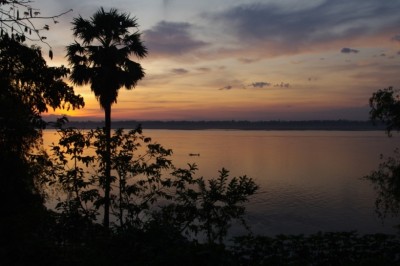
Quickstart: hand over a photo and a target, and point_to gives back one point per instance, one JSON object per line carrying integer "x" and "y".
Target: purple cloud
{"x": 282, "y": 85}
{"x": 171, "y": 39}
{"x": 295, "y": 29}
{"x": 204, "y": 69}
{"x": 228, "y": 87}
{"x": 180, "y": 71}
{"x": 260, "y": 84}
{"x": 349, "y": 50}
{"x": 396, "y": 38}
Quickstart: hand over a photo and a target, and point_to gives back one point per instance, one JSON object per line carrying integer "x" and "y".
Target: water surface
{"x": 309, "y": 181}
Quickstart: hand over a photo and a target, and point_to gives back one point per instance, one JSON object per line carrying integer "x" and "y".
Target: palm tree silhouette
{"x": 102, "y": 59}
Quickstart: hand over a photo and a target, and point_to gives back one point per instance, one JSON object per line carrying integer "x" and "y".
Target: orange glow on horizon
{"x": 318, "y": 78}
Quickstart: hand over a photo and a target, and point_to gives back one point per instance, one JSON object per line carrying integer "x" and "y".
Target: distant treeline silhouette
{"x": 343, "y": 125}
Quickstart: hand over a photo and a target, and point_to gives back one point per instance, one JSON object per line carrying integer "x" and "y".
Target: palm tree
{"x": 102, "y": 59}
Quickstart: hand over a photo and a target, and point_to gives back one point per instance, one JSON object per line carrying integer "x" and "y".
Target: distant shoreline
{"x": 326, "y": 125}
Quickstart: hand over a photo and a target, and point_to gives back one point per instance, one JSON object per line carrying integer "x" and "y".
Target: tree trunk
{"x": 107, "y": 128}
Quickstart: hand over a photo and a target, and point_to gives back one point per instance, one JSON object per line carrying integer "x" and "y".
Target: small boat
{"x": 194, "y": 154}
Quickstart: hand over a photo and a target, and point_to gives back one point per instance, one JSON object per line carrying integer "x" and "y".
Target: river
{"x": 309, "y": 181}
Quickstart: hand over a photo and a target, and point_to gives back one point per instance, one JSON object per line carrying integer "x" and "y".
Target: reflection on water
{"x": 309, "y": 180}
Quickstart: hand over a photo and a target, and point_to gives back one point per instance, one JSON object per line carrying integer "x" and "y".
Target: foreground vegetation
{"x": 161, "y": 246}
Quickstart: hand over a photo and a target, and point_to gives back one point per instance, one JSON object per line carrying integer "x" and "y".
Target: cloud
{"x": 396, "y": 38}
{"x": 260, "y": 84}
{"x": 171, "y": 39}
{"x": 257, "y": 84}
{"x": 166, "y": 3}
{"x": 180, "y": 71}
{"x": 228, "y": 87}
{"x": 204, "y": 69}
{"x": 248, "y": 60}
{"x": 349, "y": 50}
{"x": 287, "y": 29}
{"x": 282, "y": 85}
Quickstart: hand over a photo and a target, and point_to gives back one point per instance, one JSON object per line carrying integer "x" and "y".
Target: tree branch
{"x": 18, "y": 25}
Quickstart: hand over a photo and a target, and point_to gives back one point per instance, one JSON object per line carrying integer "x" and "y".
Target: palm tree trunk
{"x": 107, "y": 128}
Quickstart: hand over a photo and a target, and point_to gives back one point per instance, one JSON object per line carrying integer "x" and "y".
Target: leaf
{"x": 51, "y": 54}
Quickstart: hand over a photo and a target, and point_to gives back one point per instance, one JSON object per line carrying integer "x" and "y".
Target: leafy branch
{"x": 17, "y": 21}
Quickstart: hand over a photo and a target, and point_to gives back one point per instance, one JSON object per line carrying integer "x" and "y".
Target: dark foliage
{"x": 27, "y": 88}
{"x": 385, "y": 107}
{"x": 206, "y": 207}
{"x": 103, "y": 60}
{"x": 386, "y": 182}
{"x": 340, "y": 248}
{"x": 147, "y": 189}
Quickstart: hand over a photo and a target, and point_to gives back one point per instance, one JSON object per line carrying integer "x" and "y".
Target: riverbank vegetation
{"x": 331, "y": 125}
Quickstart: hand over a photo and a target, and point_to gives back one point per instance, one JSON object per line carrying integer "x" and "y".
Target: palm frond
{"x": 84, "y": 30}
{"x": 102, "y": 58}
{"x": 81, "y": 75}
{"x": 135, "y": 45}
{"x": 131, "y": 74}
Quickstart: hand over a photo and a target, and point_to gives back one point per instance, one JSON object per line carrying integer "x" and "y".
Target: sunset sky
{"x": 248, "y": 59}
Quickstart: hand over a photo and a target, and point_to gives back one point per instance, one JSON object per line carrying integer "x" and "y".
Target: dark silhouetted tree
{"x": 28, "y": 87}
{"x": 26, "y": 81}
{"x": 146, "y": 195}
{"x": 386, "y": 182}
{"x": 206, "y": 206}
{"x": 385, "y": 108}
{"x": 102, "y": 59}
{"x": 78, "y": 165}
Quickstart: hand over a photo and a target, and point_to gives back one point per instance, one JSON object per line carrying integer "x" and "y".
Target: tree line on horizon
{"x": 238, "y": 124}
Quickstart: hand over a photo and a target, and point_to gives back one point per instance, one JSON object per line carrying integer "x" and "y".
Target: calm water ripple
{"x": 309, "y": 181}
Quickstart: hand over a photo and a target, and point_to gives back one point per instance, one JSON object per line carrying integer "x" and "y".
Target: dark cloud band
{"x": 349, "y": 51}
{"x": 171, "y": 38}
